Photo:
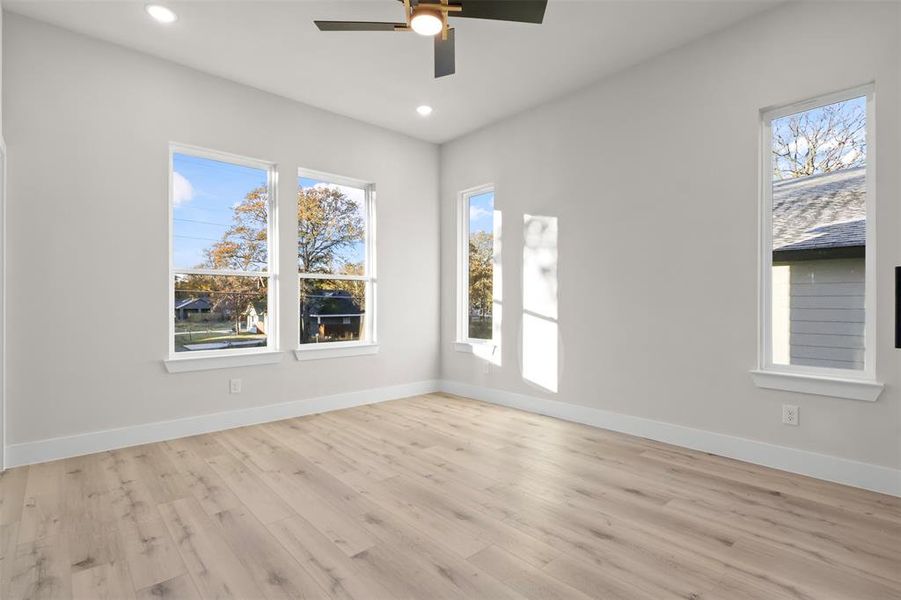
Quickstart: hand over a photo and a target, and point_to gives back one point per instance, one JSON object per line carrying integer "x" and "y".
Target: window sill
{"x": 185, "y": 364}
{"x": 835, "y": 387}
{"x": 317, "y": 353}
{"x": 475, "y": 347}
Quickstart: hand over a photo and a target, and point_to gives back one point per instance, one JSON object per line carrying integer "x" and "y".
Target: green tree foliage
{"x": 481, "y": 273}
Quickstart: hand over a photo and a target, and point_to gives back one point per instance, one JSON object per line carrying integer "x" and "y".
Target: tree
{"x": 243, "y": 245}
{"x": 327, "y": 222}
{"x": 481, "y": 273}
{"x": 820, "y": 141}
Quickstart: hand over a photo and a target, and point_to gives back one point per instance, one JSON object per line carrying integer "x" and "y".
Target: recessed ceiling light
{"x": 426, "y": 21}
{"x": 161, "y": 13}
{"x": 424, "y": 110}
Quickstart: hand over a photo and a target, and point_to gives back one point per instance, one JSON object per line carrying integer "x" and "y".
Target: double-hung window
{"x": 222, "y": 270}
{"x": 479, "y": 276}
{"x": 336, "y": 265}
{"x": 817, "y": 261}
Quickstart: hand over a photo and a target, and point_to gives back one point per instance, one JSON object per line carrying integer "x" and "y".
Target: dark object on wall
{"x": 430, "y": 18}
{"x": 897, "y": 307}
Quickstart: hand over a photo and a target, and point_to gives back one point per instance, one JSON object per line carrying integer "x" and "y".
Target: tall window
{"x": 817, "y": 237}
{"x": 335, "y": 260}
{"x": 221, "y": 265}
{"x": 479, "y": 319}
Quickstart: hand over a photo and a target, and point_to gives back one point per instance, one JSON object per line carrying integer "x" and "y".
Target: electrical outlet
{"x": 790, "y": 414}
{"x": 234, "y": 386}
{"x": 486, "y": 367}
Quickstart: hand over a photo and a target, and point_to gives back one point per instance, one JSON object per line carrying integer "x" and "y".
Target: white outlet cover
{"x": 790, "y": 414}
{"x": 234, "y": 386}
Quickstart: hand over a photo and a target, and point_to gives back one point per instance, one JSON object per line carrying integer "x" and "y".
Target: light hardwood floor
{"x": 436, "y": 497}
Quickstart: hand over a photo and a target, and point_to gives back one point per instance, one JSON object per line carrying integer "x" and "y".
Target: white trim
{"x": 334, "y": 350}
{"x": 835, "y": 387}
{"x": 476, "y": 347}
{"x": 225, "y": 272}
{"x": 867, "y": 376}
{"x": 99, "y": 441}
{"x": 335, "y": 276}
{"x": 463, "y": 267}
{"x": 3, "y": 453}
{"x": 175, "y": 363}
{"x": 327, "y": 177}
{"x": 185, "y": 362}
{"x": 821, "y": 466}
{"x": 370, "y": 332}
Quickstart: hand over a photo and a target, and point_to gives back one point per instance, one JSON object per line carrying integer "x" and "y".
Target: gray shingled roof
{"x": 202, "y": 303}
{"x": 820, "y": 211}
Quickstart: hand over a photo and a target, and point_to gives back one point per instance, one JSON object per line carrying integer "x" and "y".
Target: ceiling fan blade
{"x": 445, "y": 63}
{"x": 356, "y": 26}
{"x": 522, "y": 11}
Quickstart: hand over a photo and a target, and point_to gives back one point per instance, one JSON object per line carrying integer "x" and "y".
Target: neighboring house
{"x": 186, "y": 307}
{"x": 819, "y": 238}
{"x": 255, "y": 315}
{"x": 331, "y": 316}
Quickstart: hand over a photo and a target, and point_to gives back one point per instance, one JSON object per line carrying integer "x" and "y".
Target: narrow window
{"x": 221, "y": 273}
{"x": 479, "y": 283}
{"x": 335, "y": 260}
{"x": 817, "y": 240}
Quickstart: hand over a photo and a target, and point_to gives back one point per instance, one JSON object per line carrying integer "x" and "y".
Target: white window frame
{"x": 369, "y": 342}
{"x": 213, "y": 359}
{"x": 844, "y": 383}
{"x": 464, "y": 343}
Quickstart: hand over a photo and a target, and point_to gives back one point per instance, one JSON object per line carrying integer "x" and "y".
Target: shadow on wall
{"x": 540, "y": 333}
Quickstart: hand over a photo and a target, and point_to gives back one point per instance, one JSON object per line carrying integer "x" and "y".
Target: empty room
{"x": 450, "y": 299}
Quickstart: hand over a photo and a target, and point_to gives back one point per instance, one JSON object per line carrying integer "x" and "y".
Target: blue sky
{"x": 204, "y": 193}
{"x": 481, "y": 213}
{"x": 847, "y": 107}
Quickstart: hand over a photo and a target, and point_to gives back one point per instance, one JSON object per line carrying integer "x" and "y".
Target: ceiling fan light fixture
{"x": 426, "y": 21}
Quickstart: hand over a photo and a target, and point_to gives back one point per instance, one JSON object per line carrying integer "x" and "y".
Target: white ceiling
{"x": 380, "y": 77}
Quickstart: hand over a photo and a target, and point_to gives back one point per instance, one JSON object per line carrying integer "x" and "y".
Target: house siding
{"x": 827, "y": 313}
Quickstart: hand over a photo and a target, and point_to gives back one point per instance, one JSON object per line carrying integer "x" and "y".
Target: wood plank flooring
{"x": 436, "y": 497}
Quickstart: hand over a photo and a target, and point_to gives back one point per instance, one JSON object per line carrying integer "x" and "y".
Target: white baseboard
{"x": 110, "y": 439}
{"x": 822, "y": 466}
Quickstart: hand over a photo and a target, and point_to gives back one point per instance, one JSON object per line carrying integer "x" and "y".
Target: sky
{"x": 481, "y": 213}
{"x": 848, "y": 107}
{"x": 204, "y": 193}
{"x": 355, "y": 253}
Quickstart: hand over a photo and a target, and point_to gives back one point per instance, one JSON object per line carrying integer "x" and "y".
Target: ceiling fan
{"x": 429, "y": 18}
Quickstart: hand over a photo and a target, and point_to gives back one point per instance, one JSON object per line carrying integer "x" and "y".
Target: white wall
{"x": 653, "y": 178}
{"x": 2, "y": 246}
{"x": 87, "y": 125}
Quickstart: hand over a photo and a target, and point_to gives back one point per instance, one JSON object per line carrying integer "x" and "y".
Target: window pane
{"x": 332, "y": 311}
{"x": 220, "y": 312}
{"x": 819, "y": 236}
{"x": 481, "y": 265}
{"x": 331, "y": 228}
{"x": 220, "y": 213}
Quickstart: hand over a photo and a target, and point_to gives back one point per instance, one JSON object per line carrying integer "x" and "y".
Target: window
{"x": 817, "y": 293}
{"x": 221, "y": 296}
{"x": 479, "y": 268}
{"x": 335, "y": 261}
